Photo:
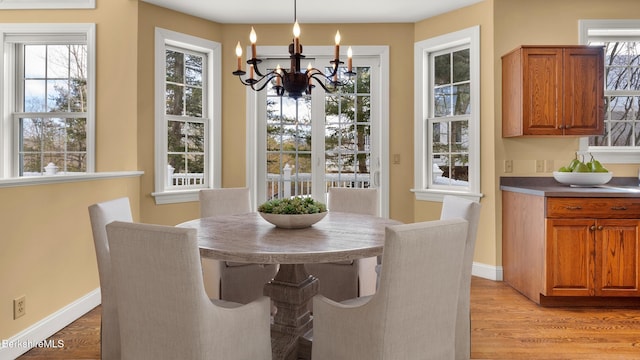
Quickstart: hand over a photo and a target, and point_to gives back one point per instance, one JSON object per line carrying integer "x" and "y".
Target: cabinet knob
{"x": 618, "y": 208}
{"x": 592, "y": 228}
{"x": 568, "y": 127}
{"x": 600, "y": 227}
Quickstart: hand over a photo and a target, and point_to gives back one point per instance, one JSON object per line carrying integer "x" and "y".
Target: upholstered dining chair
{"x": 232, "y": 281}
{"x": 163, "y": 308}
{"x": 457, "y": 207}
{"x": 348, "y": 279}
{"x": 413, "y": 313}
{"x": 100, "y": 215}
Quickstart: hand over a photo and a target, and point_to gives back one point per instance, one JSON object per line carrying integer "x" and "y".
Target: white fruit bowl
{"x": 582, "y": 178}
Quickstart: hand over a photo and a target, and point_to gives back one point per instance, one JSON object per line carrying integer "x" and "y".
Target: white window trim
{"x": 381, "y": 52}
{"x": 608, "y": 154}
{"x": 47, "y": 4}
{"x": 422, "y": 49}
{"x": 7, "y": 83}
{"x": 213, "y": 50}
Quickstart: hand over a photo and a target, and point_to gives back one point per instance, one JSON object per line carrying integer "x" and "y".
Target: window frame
{"x": 423, "y": 186}
{"x": 48, "y": 4}
{"x": 8, "y": 103}
{"x": 164, "y": 38}
{"x": 609, "y": 154}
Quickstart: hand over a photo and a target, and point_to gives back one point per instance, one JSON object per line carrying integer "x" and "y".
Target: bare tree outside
{"x": 346, "y": 137}
{"x": 184, "y": 109}
{"x": 54, "y": 83}
{"x": 622, "y": 95}
{"x": 450, "y": 119}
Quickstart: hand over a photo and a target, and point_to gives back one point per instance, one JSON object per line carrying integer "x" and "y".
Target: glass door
{"x": 318, "y": 141}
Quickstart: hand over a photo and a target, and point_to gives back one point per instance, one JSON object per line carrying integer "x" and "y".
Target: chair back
{"x": 164, "y": 310}
{"x": 419, "y": 288}
{"x": 353, "y": 200}
{"x": 226, "y": 201}
{"x": 457, "y": 207}
{"x": 100, "y": 215}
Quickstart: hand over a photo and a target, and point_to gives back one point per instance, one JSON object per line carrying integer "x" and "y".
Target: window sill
{"x": 438, "y": 195}
{"x": 176, "y": 196}
{"x": 57, "y": 179}
{"x": 616, "y": 156}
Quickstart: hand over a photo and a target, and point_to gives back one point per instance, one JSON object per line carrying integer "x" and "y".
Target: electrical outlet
{"x": 19, "y": 307}
{"x": 548, "y": 166}
{"x": 508, "y": 166}
{"x": 539, "y": 166}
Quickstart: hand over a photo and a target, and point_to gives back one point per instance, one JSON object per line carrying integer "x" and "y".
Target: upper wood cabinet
{"x": 553, "y": 90}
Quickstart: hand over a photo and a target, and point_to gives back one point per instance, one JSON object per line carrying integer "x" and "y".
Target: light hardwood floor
{"x": 505, "y": 325}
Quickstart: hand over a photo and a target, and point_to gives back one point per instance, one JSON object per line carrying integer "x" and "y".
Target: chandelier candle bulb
{"x": 239, "y": 55}
{"x": 251, "y": 71}
{"x": 349, "y": 58}
{"x": 253, "y": 38}
{"x": 296, "y": 35}
{"x": 279, "y": 72}
{"x": 337, "y": 45}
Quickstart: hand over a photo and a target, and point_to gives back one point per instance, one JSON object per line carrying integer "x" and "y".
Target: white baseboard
{"x": 485, "y": 271}
{"x": 37, "y": 333}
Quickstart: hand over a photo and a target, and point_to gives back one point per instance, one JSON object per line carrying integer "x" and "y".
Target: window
{"x": 187, "y": 116}
{"x": 621, "y": 41}
{"x": 48, "y": 110}
{"x": 447, "y": 116}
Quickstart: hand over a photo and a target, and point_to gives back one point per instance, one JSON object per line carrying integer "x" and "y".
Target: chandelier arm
{"x": 259, "y": 84}
{"x": 255, "y": 67}
{"x": 320, "y": 82}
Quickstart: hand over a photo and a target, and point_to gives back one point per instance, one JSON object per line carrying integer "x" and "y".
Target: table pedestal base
{"x": 290, "y": 291}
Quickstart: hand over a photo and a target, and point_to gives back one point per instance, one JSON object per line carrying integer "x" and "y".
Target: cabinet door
{"x": 541, "y": 92}
{"x": 583, "y": 91}
{"x": 570, "y": 257}
{"x": 617, "y": 258}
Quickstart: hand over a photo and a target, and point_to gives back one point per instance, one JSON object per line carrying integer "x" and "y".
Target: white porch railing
{"x": 184, "y": 179}
{"x": 289, "y": 184}
{"x": 281, "y": 185}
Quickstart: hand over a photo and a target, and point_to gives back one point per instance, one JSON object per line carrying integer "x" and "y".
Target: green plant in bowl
{"x": 292, "y": 213}
{"x": 293, "y": 205}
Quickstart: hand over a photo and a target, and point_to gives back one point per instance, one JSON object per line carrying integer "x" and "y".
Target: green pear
{"x": 582, "y": 167}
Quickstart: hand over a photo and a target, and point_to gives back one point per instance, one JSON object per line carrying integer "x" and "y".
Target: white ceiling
{"x": 313, "y": 11}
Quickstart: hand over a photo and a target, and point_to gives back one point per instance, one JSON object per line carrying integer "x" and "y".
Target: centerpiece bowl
{"x": 582, "y": 178}
{"x": 292, "y": 213}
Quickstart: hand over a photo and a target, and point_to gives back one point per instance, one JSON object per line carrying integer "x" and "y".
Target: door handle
{"x": 376, "y": 178}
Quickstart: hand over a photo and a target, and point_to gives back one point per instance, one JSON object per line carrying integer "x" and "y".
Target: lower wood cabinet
{"x": 592, "y": 257}
{"x": 587, "y": 248}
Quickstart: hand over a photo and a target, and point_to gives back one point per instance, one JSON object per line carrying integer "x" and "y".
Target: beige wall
{"x": 47, "y": 250}
{"x": 548, "y": 22}
{"x": 399, "y": 37}
{"x": 487, "y": 249}
{"x": 150, "y": 17}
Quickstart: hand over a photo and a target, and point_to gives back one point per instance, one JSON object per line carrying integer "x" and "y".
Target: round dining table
{"x": 251, "y": 239}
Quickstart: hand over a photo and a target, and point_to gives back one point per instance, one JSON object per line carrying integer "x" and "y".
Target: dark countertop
{"x": 549, "y": 187}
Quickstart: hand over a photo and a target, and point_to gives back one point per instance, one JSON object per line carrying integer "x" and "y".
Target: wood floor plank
{"x": 504, "y": 324}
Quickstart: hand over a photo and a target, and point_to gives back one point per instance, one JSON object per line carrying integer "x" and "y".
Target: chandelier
{"x": 292, "y": 82}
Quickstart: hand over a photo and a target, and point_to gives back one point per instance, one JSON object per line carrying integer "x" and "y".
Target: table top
{"x": 249, "y": 238}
